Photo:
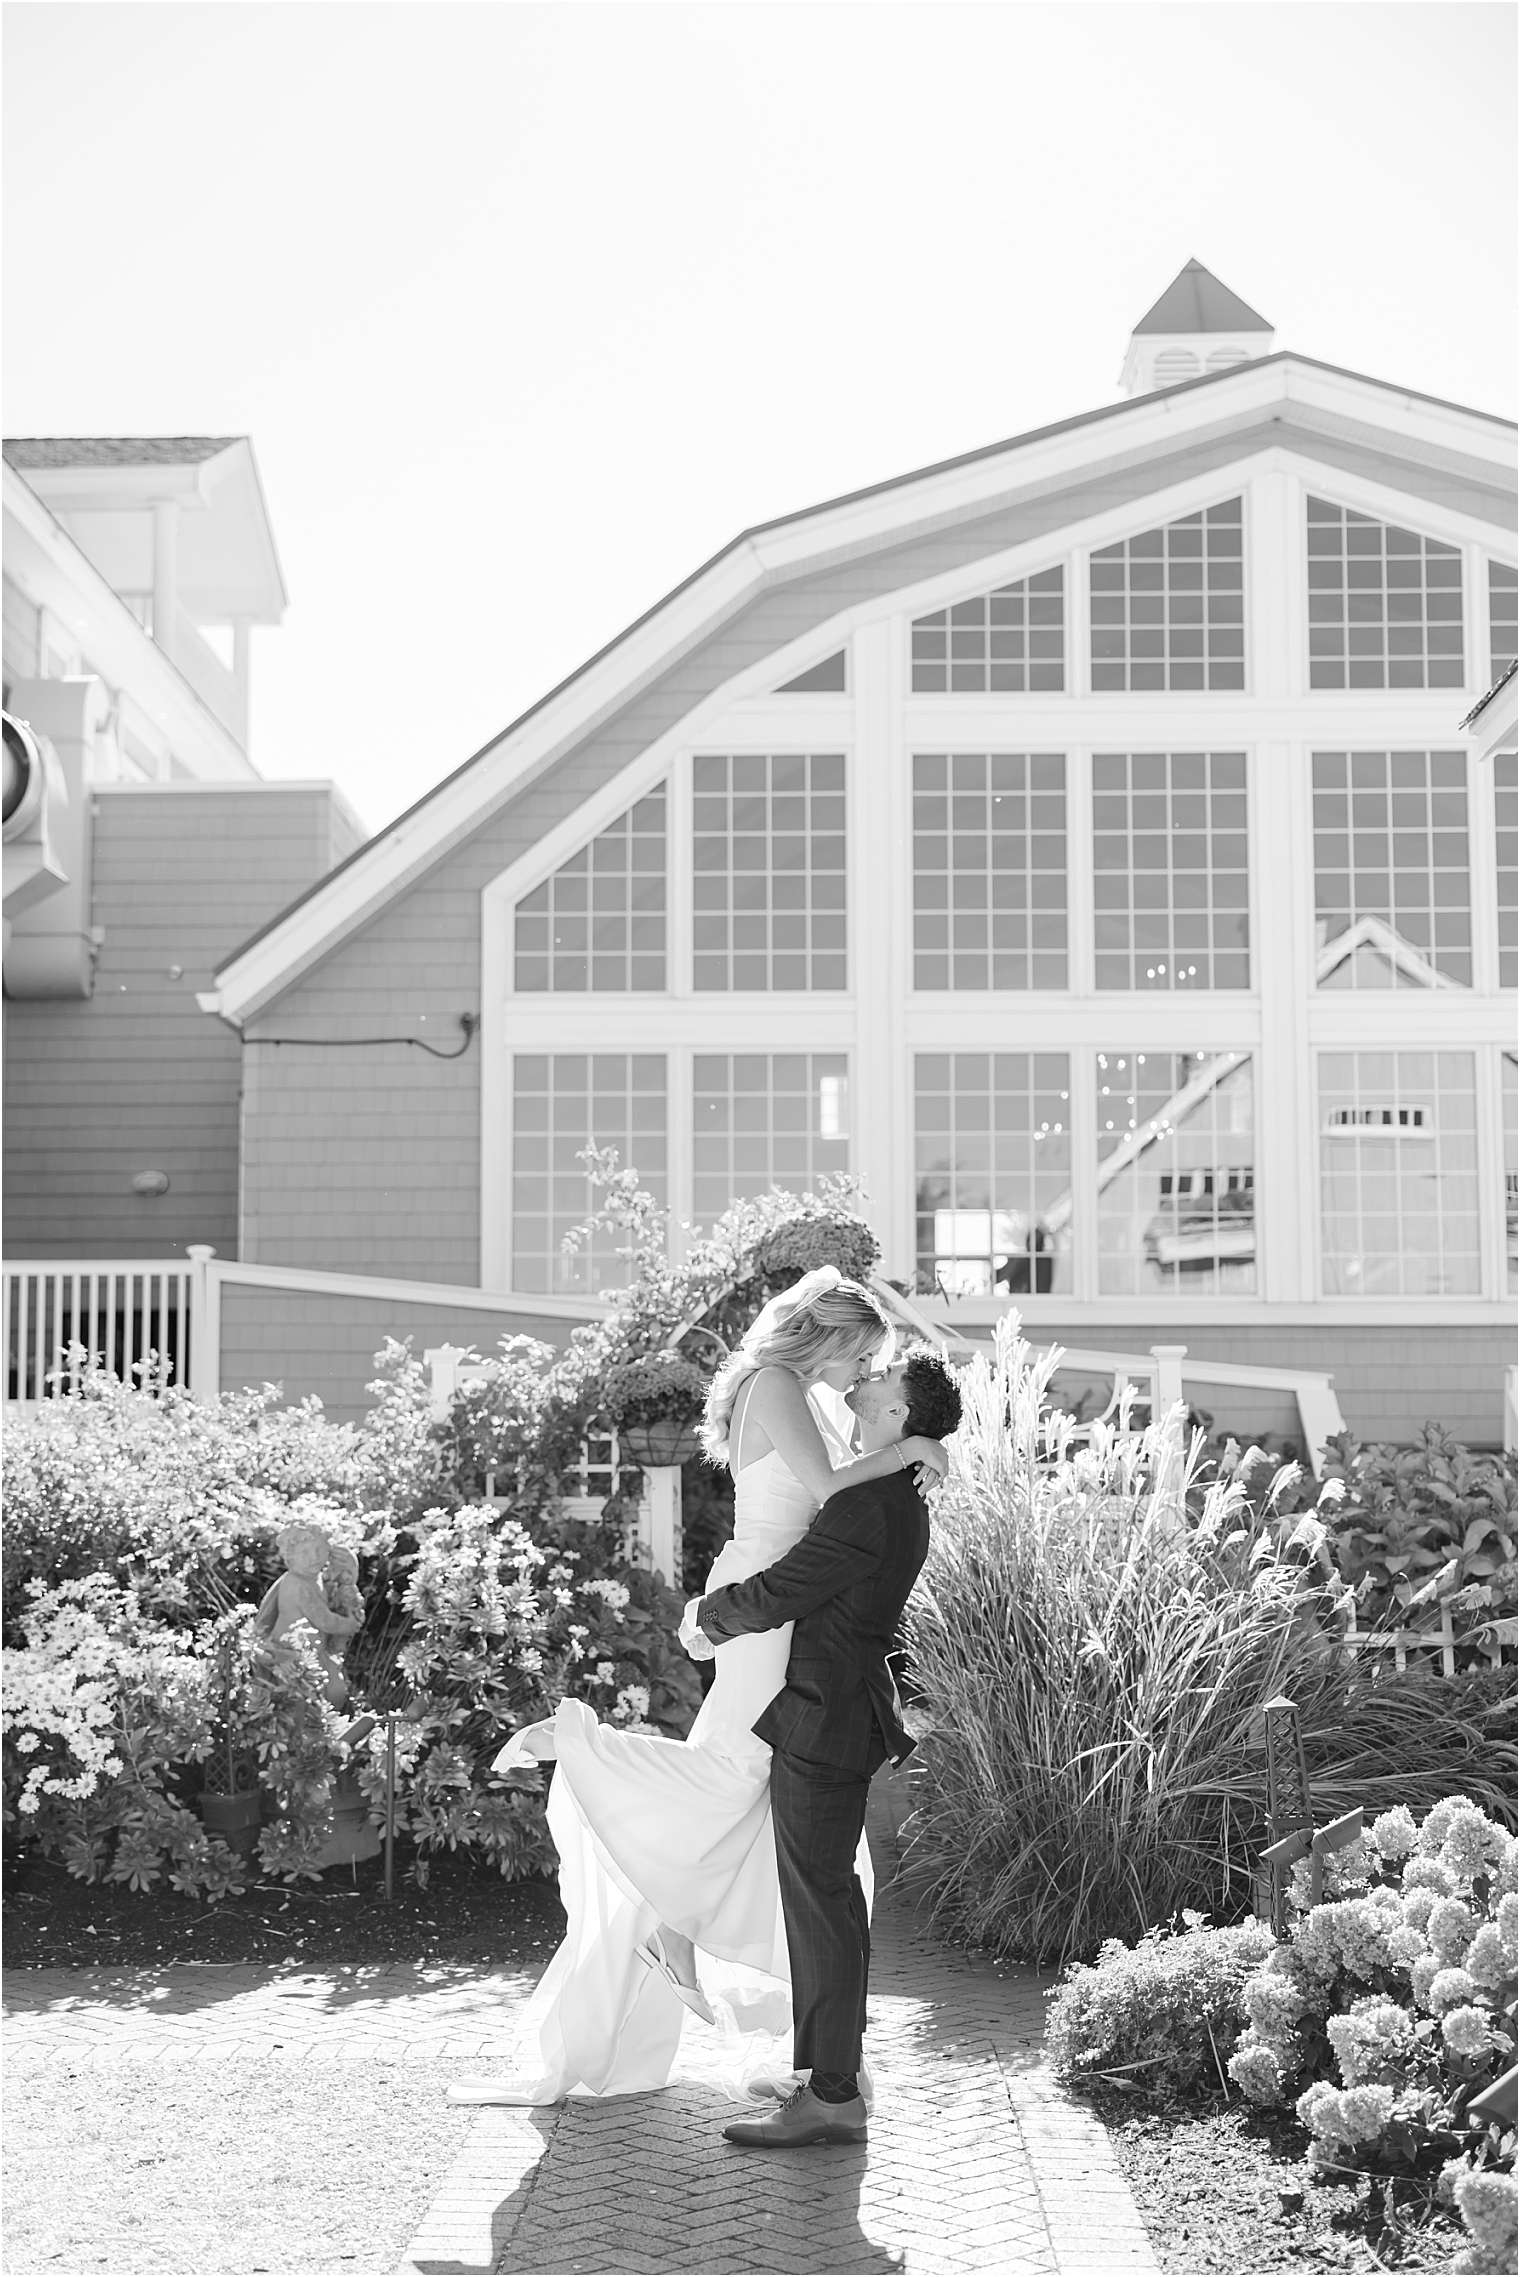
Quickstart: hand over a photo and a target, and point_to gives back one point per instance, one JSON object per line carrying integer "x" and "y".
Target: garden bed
{"x": 1228, "y": 2189}
{"x": 466, "y": 1913}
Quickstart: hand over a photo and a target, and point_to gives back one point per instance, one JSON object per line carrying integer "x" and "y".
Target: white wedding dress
{"x": 650, "y": 1830}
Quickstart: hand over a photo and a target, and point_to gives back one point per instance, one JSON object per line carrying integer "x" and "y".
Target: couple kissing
{"x": 727, "y": 1874}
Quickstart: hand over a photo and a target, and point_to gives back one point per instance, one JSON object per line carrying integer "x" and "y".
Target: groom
{"x": 836, "y": 1720}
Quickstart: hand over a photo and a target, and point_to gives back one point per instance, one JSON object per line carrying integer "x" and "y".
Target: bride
{"x": 665, "y": 1845}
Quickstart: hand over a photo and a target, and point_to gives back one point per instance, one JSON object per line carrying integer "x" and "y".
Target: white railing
{"x": 117, "y": 1315}
{"x": 1439, "y": 1638}
{"x": 1164, "y": 1374}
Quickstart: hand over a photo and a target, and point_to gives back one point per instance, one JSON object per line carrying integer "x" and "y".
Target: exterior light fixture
{"x": 151, "y": 1183}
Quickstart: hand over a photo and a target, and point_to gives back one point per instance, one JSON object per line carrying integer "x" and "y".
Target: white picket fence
{"x": 118, "y": 1313}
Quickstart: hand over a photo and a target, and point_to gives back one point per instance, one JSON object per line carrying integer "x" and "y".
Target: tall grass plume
{"x": 1091, "y": 1661}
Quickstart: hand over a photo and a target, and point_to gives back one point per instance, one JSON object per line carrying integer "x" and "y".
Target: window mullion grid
{"x": 678, "y": 877}
{"x": 1084, "y": 1162}
{"x": 679, "y": 1120}
{"x": 1282, "y": 934}
{"x": 1483, "y": 873}
{"x": 1078, "y": 616}
{"x": 1079, "y": 869}
{"x": 879, "y": 862}
{"x": 1475, "y": 640}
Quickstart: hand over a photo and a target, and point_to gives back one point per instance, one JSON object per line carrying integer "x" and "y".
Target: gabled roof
{"x": 23, "y": 451}
{"x": 1195, "y": 301}
{"x": 1267, "y": 388}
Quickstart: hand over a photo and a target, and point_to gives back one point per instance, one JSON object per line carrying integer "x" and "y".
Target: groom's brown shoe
{"x": 802, "y": 2119}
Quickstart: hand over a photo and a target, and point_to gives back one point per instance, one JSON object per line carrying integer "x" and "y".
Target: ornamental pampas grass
{"x": 1091, "y": 1662}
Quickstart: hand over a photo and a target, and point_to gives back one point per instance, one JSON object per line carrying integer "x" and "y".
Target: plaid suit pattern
{"x": 834, "y": 1723}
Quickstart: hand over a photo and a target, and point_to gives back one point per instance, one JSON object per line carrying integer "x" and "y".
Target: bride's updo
{"x": 823, "y": 1319}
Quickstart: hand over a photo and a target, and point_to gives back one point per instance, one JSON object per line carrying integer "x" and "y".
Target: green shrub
{"x": 1432, "y": 1522}
{"x": 1164, "y": 2013}
{"x": 1091, "y": 1664}
{"x": 1409, "y": 1529}
{"x": 182, "y": 1500}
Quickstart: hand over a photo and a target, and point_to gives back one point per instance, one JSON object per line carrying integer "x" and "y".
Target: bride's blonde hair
{"x": 823, "y": 1319}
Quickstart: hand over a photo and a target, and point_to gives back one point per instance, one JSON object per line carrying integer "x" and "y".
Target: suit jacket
{"x": 844, "y": 1584}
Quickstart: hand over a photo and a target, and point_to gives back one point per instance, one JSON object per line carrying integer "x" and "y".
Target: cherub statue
{"x": 298, "y": 1595}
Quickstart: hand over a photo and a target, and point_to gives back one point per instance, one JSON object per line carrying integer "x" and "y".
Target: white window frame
{"x": 879, "y": 1023}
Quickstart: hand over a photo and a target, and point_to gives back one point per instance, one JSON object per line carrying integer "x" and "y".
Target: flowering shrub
{"x": 181, "y": 1501}
{"x": 1164, "y": 2013}
{"x": 142, "y": 1531}
{"x": 106, "y": 1714}
{"x": 1400, "y": 1983}
{"x": 502, "y": 1627}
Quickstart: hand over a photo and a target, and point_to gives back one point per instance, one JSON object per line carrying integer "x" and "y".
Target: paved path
{"x": 976, "y": 2161}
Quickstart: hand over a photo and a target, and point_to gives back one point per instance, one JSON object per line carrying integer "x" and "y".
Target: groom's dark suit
{"x": 836, "y": 1721}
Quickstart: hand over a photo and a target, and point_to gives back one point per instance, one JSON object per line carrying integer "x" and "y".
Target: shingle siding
{"x": 308, "y": 1341}
{"x": 137, "y": 1077}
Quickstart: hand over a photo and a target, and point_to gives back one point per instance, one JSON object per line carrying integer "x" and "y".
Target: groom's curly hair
{"x": 934, "y": 1400}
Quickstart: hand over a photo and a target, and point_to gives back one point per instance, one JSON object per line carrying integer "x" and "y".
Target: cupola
{"x": 1197, "y": 327}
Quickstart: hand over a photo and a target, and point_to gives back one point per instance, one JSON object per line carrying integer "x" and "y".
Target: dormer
{"x": 1196, "y": 328}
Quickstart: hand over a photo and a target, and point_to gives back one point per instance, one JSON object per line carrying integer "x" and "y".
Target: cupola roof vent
{"x": 1197, "y": 327}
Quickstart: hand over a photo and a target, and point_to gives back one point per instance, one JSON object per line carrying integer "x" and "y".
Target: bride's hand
{"x": 927, "y": 1459}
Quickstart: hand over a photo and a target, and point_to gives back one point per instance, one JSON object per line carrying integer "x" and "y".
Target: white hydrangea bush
{"x": 1392, "y": 2005}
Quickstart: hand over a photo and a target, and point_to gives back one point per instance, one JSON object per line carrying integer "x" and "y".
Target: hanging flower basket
{"x": 654, "y": 1403}
{"x": 657, "y": 1445}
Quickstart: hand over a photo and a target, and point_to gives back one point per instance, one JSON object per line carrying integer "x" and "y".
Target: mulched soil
{"x": 52, "y": 1921}
{"x": 1227, "y": 2189}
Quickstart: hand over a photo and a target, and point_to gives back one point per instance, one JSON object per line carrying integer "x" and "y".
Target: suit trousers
{"x": 818, "y": 1813}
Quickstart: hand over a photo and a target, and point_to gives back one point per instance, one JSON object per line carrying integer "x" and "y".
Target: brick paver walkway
{"x": 976, "y": 2161}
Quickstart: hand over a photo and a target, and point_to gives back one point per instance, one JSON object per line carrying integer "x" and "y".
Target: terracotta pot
{"x": 235, "y": 1818}
{"x": 654, "y": 1446}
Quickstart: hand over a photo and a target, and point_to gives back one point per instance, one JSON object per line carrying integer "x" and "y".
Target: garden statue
{"x": 336, "y": 1614}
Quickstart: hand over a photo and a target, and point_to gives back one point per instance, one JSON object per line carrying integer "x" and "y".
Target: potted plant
{"x": 655, "y": 1403}
{"x": 231, "y": 1804}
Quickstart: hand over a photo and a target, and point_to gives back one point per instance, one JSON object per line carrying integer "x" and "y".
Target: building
{"x": 141, "y": 844}
{"x": 1078, "y": 841}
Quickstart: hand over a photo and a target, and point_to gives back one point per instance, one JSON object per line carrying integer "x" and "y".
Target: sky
{"x": 530, "y": 308}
